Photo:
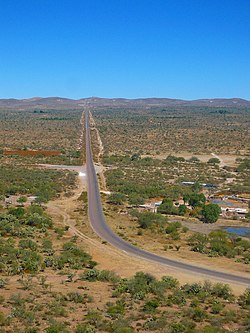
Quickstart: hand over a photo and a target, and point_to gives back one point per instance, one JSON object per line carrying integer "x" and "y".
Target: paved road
{"x": 98, "y": 223}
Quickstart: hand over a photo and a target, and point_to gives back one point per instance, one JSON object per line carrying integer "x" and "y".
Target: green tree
{"x": 193, "y": 159}
{"x": 116, "y": 198}
{"x": 167, "y": 207}
{"x": 195, "y": 199}
{"x": 213, "y": 160}
{"x": 18, "y": 212}
{"x": 135, "y": 199}
{"x": 210, "y": 213}
{"x": 244, "y": 165}
{"x": 196, "y": 187}
{"x": 198, "y": 242}
{"x": 182, "y": 210}
{"x": 148, "y": 219}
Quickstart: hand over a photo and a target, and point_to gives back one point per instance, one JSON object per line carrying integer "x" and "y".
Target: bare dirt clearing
{"x": 228, "y": 159}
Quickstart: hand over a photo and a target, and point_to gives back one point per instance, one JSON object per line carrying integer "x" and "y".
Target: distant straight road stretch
{"x": 99, "y": 225}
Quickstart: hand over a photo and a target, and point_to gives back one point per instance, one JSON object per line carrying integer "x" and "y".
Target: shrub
{"x": 178, "y": 297}
{"x": 222, "y": 290}
{"x": 244, "y": 299}
{"x": 22, "y": 199}
{"x": 170, "y": 282}
{"x": 32, "y": 330}
{"x": 198, "y": 314}
{"x": 37, "y": 220}
{"x": 47, "y": 246}
{"x": 116, "y": 310}
{"x": 116, "y": 198}
{"x": 90, "y": 275}
{"x": 148, "y": 219}
{"x": 198, "y": 242}
{"x": 182, "y": 210}
{"x": 150, "y": 306}
{"x": 107, "y": 276}
{"x": 210, "y": 213}
{"x": 94, "y": 318}
{"x": 75, "y": 297}
{"x": 173, "y": 227}
{"x": 213, "y": 160}
{"x": 177, "y": 328}
{"x": 217, "y": 307}
{"x": 121, "y": 326}
{"x": 3, "y": 283}
{"x": 195, "y": 199}
{"x": 72, "y": 256}
{"x": 85, "y": 328}
{"x": 139, "y": 285}
{"x": 167, "y": 207}
{"x": 27, "y": 244}
{"x": 193, "y": 289}
{"x": 3, "y": 319}
{"x": 56, "y": 328}
{"x": 31, "y": 261}
{"x": 135, "y": 199}
{"x": 18, "y": 212}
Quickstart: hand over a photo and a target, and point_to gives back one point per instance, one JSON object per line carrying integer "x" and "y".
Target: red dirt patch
{"x": 32, "y": 152}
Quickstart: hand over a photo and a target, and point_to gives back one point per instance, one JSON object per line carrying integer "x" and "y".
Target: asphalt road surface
{"x": 99, "y": 225}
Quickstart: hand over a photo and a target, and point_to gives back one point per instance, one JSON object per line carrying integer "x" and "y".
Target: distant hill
{"x": 62, "y": 103}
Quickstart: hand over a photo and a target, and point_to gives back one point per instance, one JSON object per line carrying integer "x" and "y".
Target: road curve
{"x": 98, "y": 223}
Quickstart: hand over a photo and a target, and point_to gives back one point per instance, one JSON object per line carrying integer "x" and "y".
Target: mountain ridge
{"x": 62, "y": 102}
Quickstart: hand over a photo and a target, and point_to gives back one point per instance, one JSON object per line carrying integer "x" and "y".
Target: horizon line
{"x": 126, "y": 98}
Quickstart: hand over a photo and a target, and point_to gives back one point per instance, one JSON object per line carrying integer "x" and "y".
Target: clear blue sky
{"x": 116, "y": 48}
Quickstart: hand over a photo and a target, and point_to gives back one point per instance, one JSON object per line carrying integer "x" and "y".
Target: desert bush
{"x": 116, "y": 198}
{"x": 116, "y": 310}
{"x": 244, "y": 299}
{"x": 222, "y": 291}
{"x": 75, "y": 297}
{"x": 150, "y": 306}
{"x": 147, "y": 219}
{"x": 85, "y": 328}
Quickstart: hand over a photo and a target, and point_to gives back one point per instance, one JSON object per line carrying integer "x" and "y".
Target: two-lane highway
{"x": 99, "y": 225}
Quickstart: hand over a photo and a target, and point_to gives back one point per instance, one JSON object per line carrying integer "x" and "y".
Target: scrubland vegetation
{"x": 145, "y": 178}
{"x": 50, "y": 283}
{"x": 137, "y": 304}
{"x": 137, "y": 172}
{"x": 43, "y": 183}
{"x": 155, "y": 130}
{"x": 133, "y": 170}
{"x": 46, "y": 130}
